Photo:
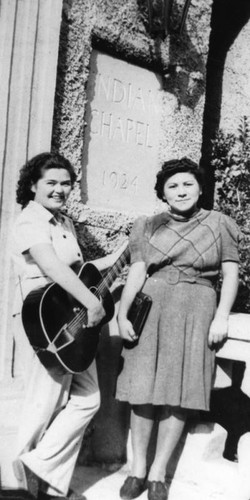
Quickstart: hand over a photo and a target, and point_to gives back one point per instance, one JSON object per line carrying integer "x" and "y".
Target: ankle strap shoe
{"x": 157, "y": 490}
{"x": 132, "y": 488}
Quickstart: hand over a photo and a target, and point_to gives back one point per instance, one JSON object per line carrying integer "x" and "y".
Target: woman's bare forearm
{"x": 62, "y": 274}
{"x": 229, "y": 288}
{"x": 134, "y": 283}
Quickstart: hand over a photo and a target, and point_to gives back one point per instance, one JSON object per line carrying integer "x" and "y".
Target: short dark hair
{"x": 173, "y": 167}
{"x": 33, "y": 170}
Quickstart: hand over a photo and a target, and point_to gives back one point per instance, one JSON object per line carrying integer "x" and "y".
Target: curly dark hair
{"x": 173, "y": 167}
{"x": 33, "y": 170}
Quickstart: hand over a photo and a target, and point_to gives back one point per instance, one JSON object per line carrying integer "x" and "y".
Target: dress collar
{"x": 183, "y": 218}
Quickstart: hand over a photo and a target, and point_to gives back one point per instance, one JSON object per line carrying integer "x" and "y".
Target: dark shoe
{"x": 15, "y": 494}
{"x": 45, "y": 496}
{"x": 132, "y": 488}
{"x": 157, "y": 490}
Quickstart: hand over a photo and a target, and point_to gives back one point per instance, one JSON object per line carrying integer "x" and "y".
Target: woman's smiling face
{"x": 181, "y": 191}
{"x": 52, "y": 189}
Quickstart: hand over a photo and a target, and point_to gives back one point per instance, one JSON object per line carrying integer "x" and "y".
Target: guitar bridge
{"x": 61, "y": 340}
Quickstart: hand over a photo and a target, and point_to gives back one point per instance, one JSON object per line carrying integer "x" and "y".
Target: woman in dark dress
{"x": 169, "y": 371}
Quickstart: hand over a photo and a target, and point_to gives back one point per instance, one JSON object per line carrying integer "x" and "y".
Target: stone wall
{"x": 28, "y": 61}
{"x": 236, "y": 82}
{"x": 121, "y": 30}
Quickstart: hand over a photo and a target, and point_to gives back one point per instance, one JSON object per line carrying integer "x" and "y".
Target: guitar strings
{"x": 101, "y": 287}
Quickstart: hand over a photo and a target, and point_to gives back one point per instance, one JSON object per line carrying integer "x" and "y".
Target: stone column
{"x": 29, "y": 39}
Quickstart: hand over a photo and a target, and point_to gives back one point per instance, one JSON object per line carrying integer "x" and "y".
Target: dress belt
{"x": 174, "y": 276}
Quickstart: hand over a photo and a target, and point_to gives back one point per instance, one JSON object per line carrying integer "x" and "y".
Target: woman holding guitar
{"x": 58, "y": 405}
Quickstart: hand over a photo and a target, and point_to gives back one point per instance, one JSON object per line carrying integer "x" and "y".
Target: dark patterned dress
{"x": 172, "y": 363}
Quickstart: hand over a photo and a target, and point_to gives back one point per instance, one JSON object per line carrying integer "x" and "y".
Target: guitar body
{"x": 51, "y": 318}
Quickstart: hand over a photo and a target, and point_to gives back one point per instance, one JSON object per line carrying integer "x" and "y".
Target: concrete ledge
{"x": 237, "y": 346}
{"x": 238, "y": 350}
{"x": 239, "y": 326}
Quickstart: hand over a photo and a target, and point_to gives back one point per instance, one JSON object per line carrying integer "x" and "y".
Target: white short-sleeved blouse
{"x": 36, "y": 225}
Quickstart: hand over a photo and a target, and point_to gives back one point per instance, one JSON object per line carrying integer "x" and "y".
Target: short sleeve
{"x": 230, "y": 238}
{"x": 28, "y": 233}
{"x": 137, "y": 240}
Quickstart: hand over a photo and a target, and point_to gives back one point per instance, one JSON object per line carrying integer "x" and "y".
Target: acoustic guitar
{"x": 54, "y": 320}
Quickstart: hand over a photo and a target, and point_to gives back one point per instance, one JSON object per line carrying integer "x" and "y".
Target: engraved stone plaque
{"x": 121, "y": 138}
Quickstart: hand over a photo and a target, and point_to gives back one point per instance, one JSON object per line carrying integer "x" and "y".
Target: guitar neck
{"x": 114, "y": 271}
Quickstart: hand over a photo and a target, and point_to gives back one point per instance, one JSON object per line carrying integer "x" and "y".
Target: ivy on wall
{"x": 231, "y": 163}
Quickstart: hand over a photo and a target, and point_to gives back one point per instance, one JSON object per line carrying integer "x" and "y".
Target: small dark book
{"x": 139, "y": 311}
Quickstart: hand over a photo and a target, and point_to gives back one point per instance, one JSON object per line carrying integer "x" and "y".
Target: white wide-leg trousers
{"x": 56, "y": 411}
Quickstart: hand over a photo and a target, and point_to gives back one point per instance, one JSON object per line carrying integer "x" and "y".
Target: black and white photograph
{"x": 125, "y": 250}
